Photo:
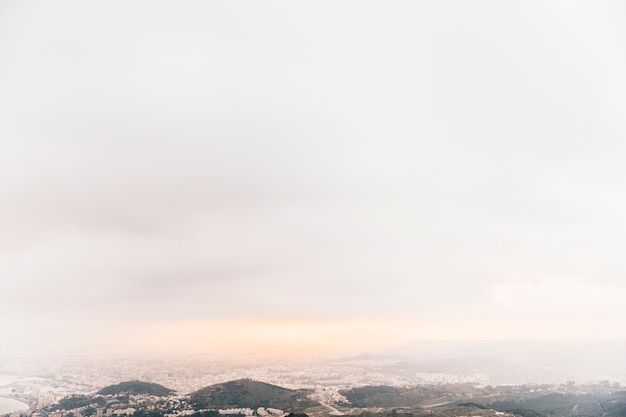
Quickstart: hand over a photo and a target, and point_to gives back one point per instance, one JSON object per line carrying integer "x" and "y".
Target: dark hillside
{"x": 252, "y": 394}
{"x": 136, "y": 388}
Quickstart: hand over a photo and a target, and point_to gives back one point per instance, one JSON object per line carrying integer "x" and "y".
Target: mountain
{"x": 599, "y": 402}
{"x": 136, "y": 388}
{"x": 383, "y": 396}
{"x": 247, "y": 393}
{"x": 513, "y": 361}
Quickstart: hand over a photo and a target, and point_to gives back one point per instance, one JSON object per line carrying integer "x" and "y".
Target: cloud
{"x": 570, "y": 307}
{"x": 195, "y": 161}
{"x": 560, "y": 295}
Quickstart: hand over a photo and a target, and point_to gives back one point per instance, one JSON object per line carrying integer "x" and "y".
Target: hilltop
{"x": 136, "y": 388}
{"x": 249, "y": 398}
{"x": 244, "y": 393}
{"x": 387, "y": 396}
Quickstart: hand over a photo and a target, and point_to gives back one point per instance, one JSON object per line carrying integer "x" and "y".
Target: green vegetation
{"x": 136, "y": 388}
{"x": 78, "y": 401}
{"x": 522, "y": 401}
{"x": 386, "y": 396}
{"x": 162, "y": 412}
{"x": 297, "y": 415}
{"x": 561, "y": 405}
{"x": 598, "y": 400}
{"x": 252, "y": 394}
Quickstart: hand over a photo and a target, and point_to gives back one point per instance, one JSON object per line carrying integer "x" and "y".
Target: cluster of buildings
{"x": 261, "y": 412}
{"x": 444, "y": 378}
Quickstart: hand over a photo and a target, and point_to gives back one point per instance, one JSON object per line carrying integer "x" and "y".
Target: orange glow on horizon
{"x": 320, "y": 336}
{"x": 289, "y": 336}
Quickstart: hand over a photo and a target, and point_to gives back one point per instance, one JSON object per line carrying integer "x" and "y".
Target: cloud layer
{"x": 204, "y": 162}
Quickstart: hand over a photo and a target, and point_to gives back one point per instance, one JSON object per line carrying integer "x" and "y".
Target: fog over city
{"x": 299, "y": 178}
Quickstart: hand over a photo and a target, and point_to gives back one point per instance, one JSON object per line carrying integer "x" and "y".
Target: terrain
{"x": 136, "y": 388}
{"x": 246, "y": 393}
{"x": 247, "y": 397}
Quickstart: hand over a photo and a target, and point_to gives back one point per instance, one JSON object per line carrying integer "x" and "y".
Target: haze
{"x": 310, "y": 176}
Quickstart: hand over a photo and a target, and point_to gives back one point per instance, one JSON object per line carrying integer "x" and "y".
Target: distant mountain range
{"x": 507, "y": 361}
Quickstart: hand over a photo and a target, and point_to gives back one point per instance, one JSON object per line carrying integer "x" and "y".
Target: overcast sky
{"x": 440, "y": 170}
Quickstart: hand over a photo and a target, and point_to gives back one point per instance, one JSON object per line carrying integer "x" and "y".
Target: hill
{"x": 77, "y": 401}
{"x": 136, "y": 388}
{"x": 387, "y": 396}
{"x": 560, "y": 404}
{"x": 246, "y": 393}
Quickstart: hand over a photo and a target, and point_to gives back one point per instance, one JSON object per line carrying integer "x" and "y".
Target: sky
{"x": 192, "y": 176}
